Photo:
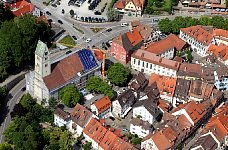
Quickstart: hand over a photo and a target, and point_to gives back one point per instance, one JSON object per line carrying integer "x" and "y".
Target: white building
{"x": 198, "y": 37}
{"x": 149, "y": 63}
{"x": 61, "y": 118}
{"x": 102, "y": 107}
{"x": 50, "y": 76}
{"x": 130, "y": 8}
{"x": 139, "y": 127}
{"x": 147, "y": 110}
{"x": 123, "y": 104}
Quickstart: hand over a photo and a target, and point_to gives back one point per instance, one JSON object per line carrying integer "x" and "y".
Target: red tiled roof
{"x": 95, "y": 130}
{"x": 172, "y": 41}
{"x": 19, "y": 4}
{"x": 120, "y": 4}
{"x": 220, "y": 51}
{"x": 103, "y": 104}
{"x": 63, "y": 71}
{"x": 164, "y": 83}
{"x": 24, "y": 10}
{"x": 152, "y": 58}
{"x": 217, "y": 6}
{"x": 198, "y": 33}
{"x": 220, "y": 33}
{"x": 108, "y": 140}
{"x": 218, "y": 124}
{"x": 164, "y": 106}
{"x": 134, "y": 37}
{"x": 98, "y": 54}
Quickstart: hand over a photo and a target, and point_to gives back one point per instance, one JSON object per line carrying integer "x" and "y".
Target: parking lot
{"x": 80, "y": 8}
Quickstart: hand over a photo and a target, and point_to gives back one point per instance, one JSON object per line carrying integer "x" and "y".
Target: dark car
{"x": 108, "y": 30}
{"x": 68, "y": 52}
{"x": 49, "y": 20}
{"x": 23, "y": 89}
{"x": 63, "y": 11}
{"x": 59, "y": 21}
{"x": 53, "y": 5}
{"x": 48, "y": 13}
{"x": 74, "y": 37}
{"x": 97, "y": 13}
{"x": 112, "y": 118}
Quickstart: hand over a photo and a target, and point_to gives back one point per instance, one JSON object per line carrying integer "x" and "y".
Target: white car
{"x": 88, "y": 40}
{"x": 124, "y": 24}
{"x": 110, "y": 42}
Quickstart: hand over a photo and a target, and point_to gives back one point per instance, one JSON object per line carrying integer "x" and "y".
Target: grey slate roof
{"x": 206, "y": 142}
{"x": 126, "y": 97}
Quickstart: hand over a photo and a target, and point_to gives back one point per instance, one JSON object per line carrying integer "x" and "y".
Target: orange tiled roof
{"x": 218, "y": 124}
{"x": 220, "y": 51}
{"x": 103, "y": 104}
{"x": 172, "y": 41}
{"x": 164, "y": 83}
{"x": 95, "y": 130}
{"x": 19, "y": 4}
{"x": 24, "y": 10}
{"x": 108, "y": 140}
{"x": 120, "y": 4}
{"x": 98, "y": 54}
{"x": 220, "y": 33}
{"x": 63, "y": 71}
{"x": 134, "y": 37}
{"x": 198, "y": 33}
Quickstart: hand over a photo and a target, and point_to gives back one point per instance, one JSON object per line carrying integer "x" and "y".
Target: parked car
{"x": 97, "y": 13}
{"x": 109, "y": 30}
{"x": 68, "y": 52}
{"x": 124, "y": 24}
{"x": 59, "y": 21}
{"x": 49, "y": 20}
{"x": 110, "y": 42}
{"x": 23, "y": 89}
{"x": 53, "y": 5}
{"x": 48, "y": 13}
{"x": 88, "y": 40}
{"x": 112, "y": 118}
{"x": 74, "y": 37}
{"x": 63, "y": 11}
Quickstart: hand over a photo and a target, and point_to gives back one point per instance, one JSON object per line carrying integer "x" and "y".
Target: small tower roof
{"x": 41, "y": 48}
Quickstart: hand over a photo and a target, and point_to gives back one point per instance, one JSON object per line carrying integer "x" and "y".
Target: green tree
{"x": 205, "y": 21}
{"x": 189, "y": 21}
{"x": 177, "y": 24}
{"x": 65, "y": 141}
{"x": 218, "y": 22}
{"x": 5, "y": 146}
{"x": 5, "y": 13}
{"x": 118, "y": 74}
{"x": 27, "y": 101}
{"x": 113, "y": 15}
{"x": 165, "y": 25}
{"x": 87, "y": 146}
{"x": 52, "y": 102}
{"x": 69, "y": 95}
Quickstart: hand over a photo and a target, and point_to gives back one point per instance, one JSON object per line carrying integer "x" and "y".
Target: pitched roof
{"x": 80, "y": 115}
{"x": 182, "y": 88}
{"x": 134, "y": 37}
{"x": 95, "y": 130}
{"x": 220, "y": 51}
{"x": 190, "y": 70}
{"x": 220, "y": 33}
{"x": 126, "y": 97}
{"x": 150, "y": 105}
{"x": 206, "y": 142}
{"x": 103, "y": 104}
{"x": 138, "y": 122}
{"x": 62, "y": 114}
{"x": 161, "y": 46}
{"x": 108, "y": 140}
{"x": 19, "y": 4}
{"x": 24, "y": 10}
{"x": 63, "y": 71}
{"x": 144, "y": 30}
{"x": 164, "y": 84}
{"x": 199, "y": 33}
{"x": 218, "y": 124}
{"x": 152, "y": 58}
{"x": 138, "y": 82}
{"x": 120, "y": 4}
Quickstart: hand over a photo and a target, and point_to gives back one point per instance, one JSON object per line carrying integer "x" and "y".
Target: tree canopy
{"x": 113, "y": 15}
{"x": 18, "y": 39}
{"x": 69, "y": 95}
{"x": 167, "y": 26}
{"x": 95, "y": 84}
{"x": 118, "y": 74}
{"x": 5, "y": 146}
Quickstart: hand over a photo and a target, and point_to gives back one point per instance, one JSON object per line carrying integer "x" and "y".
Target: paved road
{"x": 14, "y": 97}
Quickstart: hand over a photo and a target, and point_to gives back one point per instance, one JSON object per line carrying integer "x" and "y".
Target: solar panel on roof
{"x": 87, "y": 59}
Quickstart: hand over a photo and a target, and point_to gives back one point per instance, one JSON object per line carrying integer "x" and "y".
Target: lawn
{"x": 67, "y": 41}
{"x": 95, "y": 30}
